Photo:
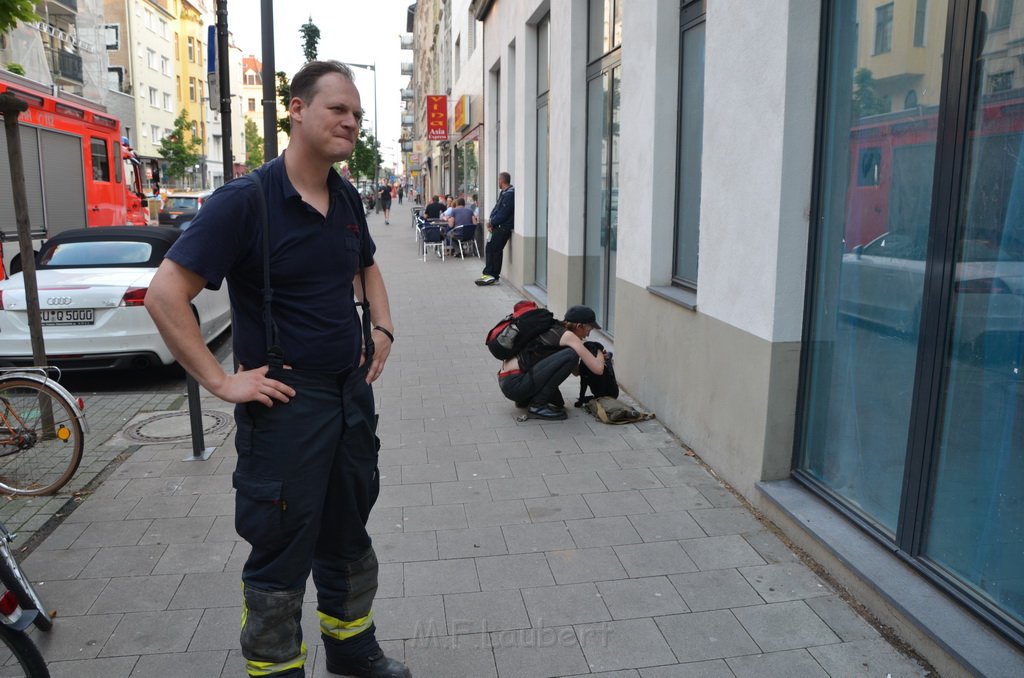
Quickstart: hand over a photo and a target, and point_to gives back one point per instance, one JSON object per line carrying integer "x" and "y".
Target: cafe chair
{"x": 462, "y": 238}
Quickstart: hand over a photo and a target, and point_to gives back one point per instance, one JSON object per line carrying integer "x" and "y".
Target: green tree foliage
{"x": 253, "y": 145}
{"x": 13, "y": 11}
{"x": 284, "y": 93}
{"x": 310, "y": 37}
{"x": 365, "y": 156}
{"x": 179, "y": 148}
{"x": 866, "y": 100}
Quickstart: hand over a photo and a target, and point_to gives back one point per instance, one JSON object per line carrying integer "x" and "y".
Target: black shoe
{"x": 377, "y": 666}
{"x": 522, "y": 404}
{"x": 545, "y": 412}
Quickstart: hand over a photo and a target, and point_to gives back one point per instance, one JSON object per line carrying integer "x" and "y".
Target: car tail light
{"x": 982, "y": 286}
{"x": 199, "y": 203}
{"x": 8, "y": 603}
{"x": 135, "y": 296}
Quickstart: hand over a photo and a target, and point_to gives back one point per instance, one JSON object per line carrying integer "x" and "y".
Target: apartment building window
{"x": 154, "y": 134}
{"x": 252, "y": 105}
{"x": 165, "y": 65}
{"x": 540, "y": 260}
{"x": 195, "y": 129}
{"x": 251, "y": 79}
{"x": 911, "y": 400}
{"x": 153, "y": 101}
{"x": 920, "y": 14}
{"x": 177, "y": 51}
{"x": 691, "y": 147}
{"x": 883, "y": 29}
{"x": 1002, "y": 15}
{"x": 168, "y": 102}
{"x": 457, "y": 59}
{"x": 112, "y": 34}
{"x": 177, "y": 86}
{"x": 163, "y": 29}
{"x": 471, "y": 34}
{"x": 199, "y": 82}
{"x": 191, "y": 89}
{"x": 149, "y": 19}
{"x": 215, "y": 149}
{"x": 151, "y": 59}
{"x": 191, "y": 49}
{"x": 115, "y": 78}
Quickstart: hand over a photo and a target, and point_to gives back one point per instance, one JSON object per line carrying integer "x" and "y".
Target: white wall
{"x": 757, "y": 158}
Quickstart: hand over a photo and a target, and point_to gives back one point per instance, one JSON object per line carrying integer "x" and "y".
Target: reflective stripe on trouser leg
{"x": 332, "y": 627}
{"x": 271, "y": 637}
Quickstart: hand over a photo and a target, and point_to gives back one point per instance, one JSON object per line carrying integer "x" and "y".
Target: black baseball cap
{"x": 583, "y": 315}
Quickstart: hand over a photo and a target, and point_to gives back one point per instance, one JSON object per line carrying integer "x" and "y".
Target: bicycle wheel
{"x": 15, "y": 579}
{"x": 19, "y": 657}
{"x": 40, "y": 438}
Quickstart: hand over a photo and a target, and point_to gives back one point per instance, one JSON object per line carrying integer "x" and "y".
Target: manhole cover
{"x": 174, "y": 426}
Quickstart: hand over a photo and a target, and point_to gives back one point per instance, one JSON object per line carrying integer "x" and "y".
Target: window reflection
{"x": 976, "y": 514}
{"x": 875, "y": 214}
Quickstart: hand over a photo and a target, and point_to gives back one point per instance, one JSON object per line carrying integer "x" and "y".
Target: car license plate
{"x": 70, "y": 316}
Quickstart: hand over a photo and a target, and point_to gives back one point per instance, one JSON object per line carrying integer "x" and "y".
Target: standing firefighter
{"x": 306, "y": 477}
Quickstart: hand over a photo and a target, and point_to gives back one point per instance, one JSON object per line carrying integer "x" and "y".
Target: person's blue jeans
{"x": 538, "y": 386}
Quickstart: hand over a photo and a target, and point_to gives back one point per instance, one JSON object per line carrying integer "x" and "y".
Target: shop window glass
{"x": 874, "y": 215}
{"x": 975, "y": 518}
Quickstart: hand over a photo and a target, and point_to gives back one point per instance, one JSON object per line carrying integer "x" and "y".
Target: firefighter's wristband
{"x": 385, "y": 332}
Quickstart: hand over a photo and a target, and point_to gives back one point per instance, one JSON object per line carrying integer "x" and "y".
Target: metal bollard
{"x": 195, "y": 415}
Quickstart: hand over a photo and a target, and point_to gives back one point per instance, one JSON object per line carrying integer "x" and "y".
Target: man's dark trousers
{"x": 306, "y": 480}
{"x": 494, "y": 252}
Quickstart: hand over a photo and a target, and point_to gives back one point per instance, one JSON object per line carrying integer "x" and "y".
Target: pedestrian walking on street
{"x": 401, "y": 192}
{"x": 296, "y": 252}
{"x": 385, "y": 202}
{"x": 500, "y": 225}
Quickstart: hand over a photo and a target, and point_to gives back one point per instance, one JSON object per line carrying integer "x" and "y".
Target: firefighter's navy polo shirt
{"x": 313, "y": 267}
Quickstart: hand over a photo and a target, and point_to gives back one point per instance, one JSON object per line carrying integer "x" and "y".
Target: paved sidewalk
{"x": 507, "y": 549}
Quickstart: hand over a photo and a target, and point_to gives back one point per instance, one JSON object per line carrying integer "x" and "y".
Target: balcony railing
{"x": 68, "y": 66}
{"x": 407, "y": 68}
{"x": 407, "y": 42}
{"x": 408, "y": 94}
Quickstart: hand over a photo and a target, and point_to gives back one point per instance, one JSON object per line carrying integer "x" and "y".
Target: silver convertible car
{"x": 92, "y": 285}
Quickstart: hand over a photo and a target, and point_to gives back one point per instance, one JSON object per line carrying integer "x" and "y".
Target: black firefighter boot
{"x": 374, "y": 666}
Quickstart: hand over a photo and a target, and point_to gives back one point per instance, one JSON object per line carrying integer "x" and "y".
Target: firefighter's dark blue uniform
{"x": 306, "y": 476}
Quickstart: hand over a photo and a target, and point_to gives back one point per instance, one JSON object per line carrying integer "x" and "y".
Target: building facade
{"x": 190, "y": 82}
{"x": 808, "y": 251}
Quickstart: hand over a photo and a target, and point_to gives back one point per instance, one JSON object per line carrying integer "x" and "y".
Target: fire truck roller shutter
{"x": 33, "y": 186}
{"x": 63, "y": 179}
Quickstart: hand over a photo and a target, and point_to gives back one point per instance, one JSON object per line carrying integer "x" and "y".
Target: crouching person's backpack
{"x": 510, "y": 336}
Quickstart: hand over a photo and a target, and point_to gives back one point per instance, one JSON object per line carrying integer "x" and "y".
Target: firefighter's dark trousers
{"x": 306, "y": 480}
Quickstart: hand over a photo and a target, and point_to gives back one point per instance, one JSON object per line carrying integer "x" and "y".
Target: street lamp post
{"x": 376, "y": 132}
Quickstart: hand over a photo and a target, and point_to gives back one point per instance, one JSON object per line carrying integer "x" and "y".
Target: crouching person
{"x": 533, "y": 377}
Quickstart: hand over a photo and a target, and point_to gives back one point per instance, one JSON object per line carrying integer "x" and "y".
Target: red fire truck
{"x": 78, "y": 170}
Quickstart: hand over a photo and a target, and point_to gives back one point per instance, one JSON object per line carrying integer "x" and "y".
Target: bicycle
{"x": 20, "y": 606}
{"x": 41, "y": 432}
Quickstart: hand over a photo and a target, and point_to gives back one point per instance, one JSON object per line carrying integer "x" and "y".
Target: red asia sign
{"x": 437, "y": 117}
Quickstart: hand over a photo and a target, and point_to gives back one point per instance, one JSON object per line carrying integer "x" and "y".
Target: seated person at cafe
{"x": 434, "y": 209}
{"x": 460, "y": 215}
{"x": 531, "y": 379}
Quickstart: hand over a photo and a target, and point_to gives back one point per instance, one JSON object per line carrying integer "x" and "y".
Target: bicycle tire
{"x": 37, "y": 456}
{"x": 24, "y": 650}
{"x": 16, "y": 581}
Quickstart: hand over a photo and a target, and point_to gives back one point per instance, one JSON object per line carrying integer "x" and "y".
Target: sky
{"x": 354, "y": 31}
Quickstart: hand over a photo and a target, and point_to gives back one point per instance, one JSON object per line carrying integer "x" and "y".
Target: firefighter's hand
{"x": 252, "y": 386}
{"x": 381, "y": 351}
{"x": 490, "y": 228}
